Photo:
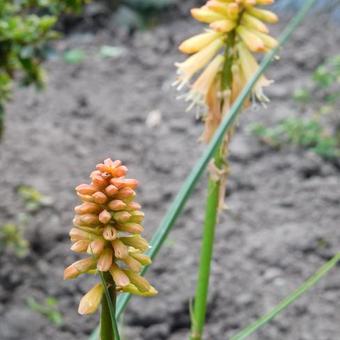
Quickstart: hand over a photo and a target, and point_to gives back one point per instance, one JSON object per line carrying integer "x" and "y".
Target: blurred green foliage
{"x": 33, "y": 198}
{"x": 26, "y": 27}
{"x": 49, "y": 309}
{"x": 12, "y": 240}
{"x": 308, "y": 133}
{"x": 324, "y": 92}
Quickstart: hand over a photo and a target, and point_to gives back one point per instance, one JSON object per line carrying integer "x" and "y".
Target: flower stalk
{"x": 223, "y": 56}
{"x": 107, "y": 227}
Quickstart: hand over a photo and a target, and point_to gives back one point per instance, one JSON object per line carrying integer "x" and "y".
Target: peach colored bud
{"x": 124, "y": 182}
{"x": 99, "y": 181}
{"x": 105, "y": 260}
{"x": 111, "y": 190}
{"x": 99, "y": 197}
{"x": 85, "y": 198}
{"x": 133, "y": 206}
{"x": 142, "y": 284}
{"x": 80, "y": 246}
{"x": 206, "y": 15}
{"x": 88, "y": 219}
{"x": 85, "y": 189}
{"x": 89, "y": 303}
{"x": 126, "y": 194}
{"x": 120, "y": 249}
{"x": 117, "y": 205}
{"x": 119, "y": 277}
{"x": 141, "y": 258}
{"x": 104, "y": 217}
{"x": 133, "y": 264}
{"x": 119, "y": 172}
{"x": 102, "y": 167}
{"x": 96, "y": 246}
{"x": 109, "y": 233}
{"x": 86, "y": 208}
{"x": 136, "y": 241}
{"x": 132, "y": 289}
{"x": 108, "y": 162}
{"x": 79, "y": 267}
{"x": 253, "y": 42}
{"x": 77, "y": 234}
{"x": 137, "y": 216}
{"x": 132, "y": 228}
{"x": 223, "y": 26}
{"x": 121, "y": 216}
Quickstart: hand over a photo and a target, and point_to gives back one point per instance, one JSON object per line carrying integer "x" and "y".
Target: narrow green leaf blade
{"x": 307, "y": 285}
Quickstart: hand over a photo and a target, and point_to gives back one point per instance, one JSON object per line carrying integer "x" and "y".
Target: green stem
{"x": 200, "y": 303}
{"x": 106, "y": 331}
{"x": 108, "y": 321}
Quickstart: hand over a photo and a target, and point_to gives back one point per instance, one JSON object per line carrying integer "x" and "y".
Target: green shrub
{"x": 26, "y": 27}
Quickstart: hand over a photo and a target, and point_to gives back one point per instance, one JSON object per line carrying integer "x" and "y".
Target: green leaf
{"x": 74, "y": 56}
{"x": 307, "y": 285}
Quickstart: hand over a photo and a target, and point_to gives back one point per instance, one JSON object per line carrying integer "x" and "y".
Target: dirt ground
{"x": 283, "y": 218}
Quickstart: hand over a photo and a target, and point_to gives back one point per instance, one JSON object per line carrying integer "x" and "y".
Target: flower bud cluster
{"x": 107, "y": 226}
{"x": 237, "y": 28}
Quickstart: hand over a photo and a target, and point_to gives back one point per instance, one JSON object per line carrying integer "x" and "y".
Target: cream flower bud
{"x": 105, "y": 260}
{"x": 90, "y": 301}
{"x": 119, "y": 277}
{"x": 136, "y": 241}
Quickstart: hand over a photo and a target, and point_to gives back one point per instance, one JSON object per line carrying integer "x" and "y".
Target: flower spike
{"x": 107, "y": 228}
{"x": 234, "y": 25}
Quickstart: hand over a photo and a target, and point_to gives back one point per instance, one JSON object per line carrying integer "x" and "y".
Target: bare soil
{"x": 283, "y": 217}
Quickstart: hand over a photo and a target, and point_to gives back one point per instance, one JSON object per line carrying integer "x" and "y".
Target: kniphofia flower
{"x": 107, "y": 227}
{"x": 237, "y": 29}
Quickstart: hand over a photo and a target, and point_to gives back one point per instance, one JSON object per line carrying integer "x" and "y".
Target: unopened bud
{"x": 104, "y": 217}
{"x": 119, "y": 277}
{"x": 124, "y": 182}
{"x": 86, "y": 208}
{"x": 117, "y": 205}
{"x": 79, "y": 267}
{"x": 80, "y": 246}
{"x": 121, "y": 216}
{"x": 142, "y": 258}
{"x": 85, "y": 189}
{"x": 105, "y": 260}
{"x": 132, "y": 228}
{"x": 99, "y": 197}
{"x": 133, "y": 264}
{"x": 91, "y": 300}
{"x": 120, "y": 249}
{"x": 96, "y": 247}
{"x": 111, "y": 190}
{"x": 142, "y": 284}
{"x": 136, "y": 241}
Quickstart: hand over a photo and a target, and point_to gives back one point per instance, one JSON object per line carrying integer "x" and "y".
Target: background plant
{"x": 25, "y": 29}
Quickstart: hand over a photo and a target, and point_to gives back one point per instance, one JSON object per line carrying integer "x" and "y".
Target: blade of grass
{"x": 188, "y": 186}
{"x": 307, "y": 285}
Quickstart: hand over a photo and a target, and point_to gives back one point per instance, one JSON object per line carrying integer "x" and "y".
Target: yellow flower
{"x": 223, "y": 56}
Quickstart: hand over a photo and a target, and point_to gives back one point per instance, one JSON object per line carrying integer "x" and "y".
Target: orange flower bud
{"x": 86, "y": 208}
{"x": 111, "y": 190}
{"x": 117, "y": 205}
{"x": 104, "y": 217}
{"x": 79, "y": 267}
{"x": 136, "y": 241}
{"x": 99, "y": 197}
{"x": 124, "y": 182}
{"x": 85, "y": 189}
